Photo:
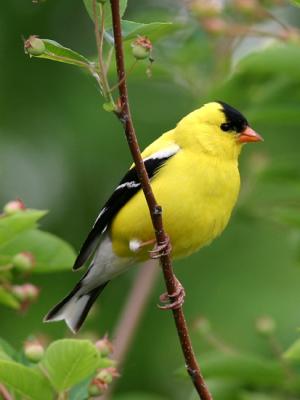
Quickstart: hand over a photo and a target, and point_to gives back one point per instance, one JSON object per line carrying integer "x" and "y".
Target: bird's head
{"x": 218, "y": 128}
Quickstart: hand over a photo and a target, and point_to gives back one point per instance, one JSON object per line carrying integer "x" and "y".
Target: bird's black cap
{"x": 235, "y": 120}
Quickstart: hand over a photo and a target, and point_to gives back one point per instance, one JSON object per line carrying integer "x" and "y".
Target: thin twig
{"x": 155, "y": 210}
{"x": 4, "y": 393}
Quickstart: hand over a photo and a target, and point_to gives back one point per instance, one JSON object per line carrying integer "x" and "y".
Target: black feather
{"x": 126, "y": 189}
{"x": 235, "y": 121}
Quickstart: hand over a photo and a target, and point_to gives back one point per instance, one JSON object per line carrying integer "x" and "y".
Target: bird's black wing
{"x": 126, "y": 189}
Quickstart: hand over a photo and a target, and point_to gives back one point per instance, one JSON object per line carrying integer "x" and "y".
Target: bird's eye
{"x": 226, "y": 127}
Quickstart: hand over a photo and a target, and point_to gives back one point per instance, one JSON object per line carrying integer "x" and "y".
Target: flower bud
{"x": 13, "y": 207}
{"x": 215, "y": 25}
{"x": 26, "y": 292}
{"x": 34, "y": 351}
{"x": 203, "y": 325}
{"x": 205, "y": 8}
{"x": 34, "y": 46}
{"x": 19, "y": 292}
{"x": 141, "y": 48}
{"x": 246, "y": 6}
{"x": 96, "y": 388}
{"x": 265, "y": 325}
{"x": 105, "y": 376}
{"x": 104, "y": 346}
{"x": 24, "y": 261}
{"x": 31, "y": 291}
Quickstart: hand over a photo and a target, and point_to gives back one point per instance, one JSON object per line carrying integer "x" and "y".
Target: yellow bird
{"x": 194, "y": 174}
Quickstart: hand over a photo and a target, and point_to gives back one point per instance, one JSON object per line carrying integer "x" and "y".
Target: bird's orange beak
{"x": 249, "y": 135}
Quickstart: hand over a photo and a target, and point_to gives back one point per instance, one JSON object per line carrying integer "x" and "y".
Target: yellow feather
{"x": 197, "y": 187}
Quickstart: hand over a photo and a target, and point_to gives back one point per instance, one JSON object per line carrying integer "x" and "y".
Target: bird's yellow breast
{"x": 197, "y": 193}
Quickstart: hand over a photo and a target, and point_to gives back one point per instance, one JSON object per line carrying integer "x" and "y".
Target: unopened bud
{"x": 203, "y": 325}
{"x": 265, "y": 325}
{"x": 141, "y": 48}
{"x": 34, "y": 46}
{"x": 31, "y": 291}
{"x": 96, "y": 388}
{"x": 26, "y": 292}
{"x": 105, "y": 376}
{"x": 24, "y": 261}
{"x": 13, "y": 207}
{"x": 19, "y": 292}
{"x": 247, "y": 6}
{"x": 215, "y": 26}
{"x": 206, "y": 8}
{"x": 104, "y": 346}
{"x": 34, "y": 351}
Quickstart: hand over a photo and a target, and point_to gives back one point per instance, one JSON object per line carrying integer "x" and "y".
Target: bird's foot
{"x": 162, "y": 249}
{"x": 175, "y": 299}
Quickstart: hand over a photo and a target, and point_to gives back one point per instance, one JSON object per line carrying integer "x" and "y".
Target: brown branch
{"x": 155, "y": 210}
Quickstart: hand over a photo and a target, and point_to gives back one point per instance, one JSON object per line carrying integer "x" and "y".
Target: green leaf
{"x": 155, "y": 30}
{"x": 286, "y": 215}
{"x": 247, "y": 368}
{"x": 51, "y": 253}
{"x": 8, "y": 349}
{"x": 8, "y": 299}
{"x": 13, "y": 225}
{"x": 107, "y": 11}
{"x": 293, "y": 352}
{"x": 296, "y": 2}
{"x": 251, "y": 369}
{"x": 69, "y": 361}
{"x": 29, "y": 383}
{"x": 80, "y": 391}
{"x": 260, "y": 396}
{"x": 56, "y": 52}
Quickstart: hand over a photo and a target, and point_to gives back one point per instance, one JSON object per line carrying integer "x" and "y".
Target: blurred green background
{"x": 59, "y": 150}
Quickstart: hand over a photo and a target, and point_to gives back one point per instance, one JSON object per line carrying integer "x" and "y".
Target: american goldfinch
{"x": 194, "y": 175}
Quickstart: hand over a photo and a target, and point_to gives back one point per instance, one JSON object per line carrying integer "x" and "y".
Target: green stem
{"x": 99, "y": 35}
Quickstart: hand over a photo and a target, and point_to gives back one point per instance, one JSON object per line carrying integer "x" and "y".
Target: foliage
{"x": 238, "y": 54}
{"x": 24, "y": 249}
{"x": 66, "y": 366}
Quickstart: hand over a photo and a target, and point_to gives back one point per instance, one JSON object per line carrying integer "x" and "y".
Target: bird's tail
{"x": 74, "y": 307}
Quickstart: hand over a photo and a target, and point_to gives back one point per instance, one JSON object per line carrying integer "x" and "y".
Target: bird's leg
{"x": 176, "y": 299}
{"x": 162, "y": 249}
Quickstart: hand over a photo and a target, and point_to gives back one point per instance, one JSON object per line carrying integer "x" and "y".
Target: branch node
{"x": 157, "y": 209}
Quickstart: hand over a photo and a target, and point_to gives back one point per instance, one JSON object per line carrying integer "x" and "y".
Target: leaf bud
{"x": 34, "y": 351}
{"x": 24, "y": 261}
{"x": 34, "y": 46}
{"x": 141, "y": 48}
{"x": 13, "y": 207}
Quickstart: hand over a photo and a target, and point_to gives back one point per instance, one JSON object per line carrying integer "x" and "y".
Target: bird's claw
{"x": 162, "y": 249}
{"x": 175, "y": 299}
